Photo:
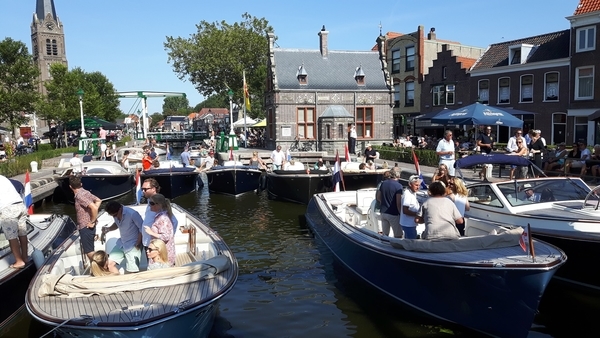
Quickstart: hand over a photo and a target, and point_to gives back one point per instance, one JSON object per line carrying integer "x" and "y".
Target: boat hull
{"x": 473, "y": 297}
{"x": 297, "y": 186}
{"x": 233, "y": 180}
{"x": 174, "y": 183}
{"x": 105, "y": 187}
{"x": 14, "y": 286}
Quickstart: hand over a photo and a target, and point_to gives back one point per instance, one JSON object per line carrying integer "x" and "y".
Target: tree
{"x": 219, "y": 100}
{"x": 155, "y": 118}
{"x": 62, "y": 102}
{"x": 18, "y": 83}
{"x": 214, "y": 58}
{"x": 175, "y": 105}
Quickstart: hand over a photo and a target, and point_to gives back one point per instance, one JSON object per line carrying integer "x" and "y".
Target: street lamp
{"x": 230, "y": 93}
{"x": 80, "y": 94}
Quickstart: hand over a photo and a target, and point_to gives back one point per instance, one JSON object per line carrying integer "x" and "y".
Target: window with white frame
{"x": 504, "y": 90}
{"x": 584, "y": 83}
{"x": 526, "y": 88}
{"x": 586, "y": 39}
{"x": 450, "y": 94}
{"x": 306, "y": 123}
{"x": 551, "y": 86}
{"x": 409, "y": 90}
{"x": 483, "y": 91}
{"x": 396, "y": 61}
{"x": 410, "y": 58}
{"x": 438, "y": 95}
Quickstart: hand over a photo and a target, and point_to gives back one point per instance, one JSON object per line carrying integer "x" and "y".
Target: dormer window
{"x": 519, "y": 54}
{"x": 359, "y": 76}
{"x": 301, "y": 75}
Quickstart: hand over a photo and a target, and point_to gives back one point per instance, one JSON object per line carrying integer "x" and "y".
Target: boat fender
{"x": 263, "y": 182}
{"x": 38, "y": 258}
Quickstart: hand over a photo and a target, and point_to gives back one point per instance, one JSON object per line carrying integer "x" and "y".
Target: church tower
{"x": 47, "y": 40}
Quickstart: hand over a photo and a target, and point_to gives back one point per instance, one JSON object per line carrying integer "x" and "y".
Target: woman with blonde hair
{"x": 157, "y": 255}
{"x": 459, "y": 195}
{"x": 102, "y": 266}
{"x": 162, "y": 227}
{"x": 257, "y": 162}
{"x": 441, "y": 175}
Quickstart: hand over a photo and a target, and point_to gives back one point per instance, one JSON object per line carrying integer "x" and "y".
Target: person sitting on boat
{"x": 585, "y": 154}
{"x": 102, "y": 265}
{"x": 441, "y": 174}
{"x": 440, "y": 215}
{"x": 146, "y": 160}
{"x": 530, "y": 194}
{"x": 87, "y": 157}
{"x": 362, "y": 166}
{"x": 410, "y": 207}
{"x": 157, "y": 254}
{"x": 162, "y": 227}
{"x": 125, "y": 160}
{"x": 128, "y": 247}
{"x": 257, "y": 162}
{"x": 155, "y": 164}
{"x": 319, "y": 165}
{"x": 370, "y": 165}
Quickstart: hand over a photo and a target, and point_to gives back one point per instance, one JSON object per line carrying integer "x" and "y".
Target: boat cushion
{"x": 501, "y": 240}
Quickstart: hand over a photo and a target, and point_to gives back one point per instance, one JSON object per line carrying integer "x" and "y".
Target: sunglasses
{"x": 151, "y": 249}
{"x": 152, "y": 203}
{"x": 519, "y": 142}
{"x": 144, "y": 189}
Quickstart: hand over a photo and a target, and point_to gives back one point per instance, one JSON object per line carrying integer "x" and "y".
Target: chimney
{"x": 431, "y": 34}
{"x": 323, "y": 42}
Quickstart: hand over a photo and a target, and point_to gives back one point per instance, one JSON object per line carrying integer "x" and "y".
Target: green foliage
{"x": 62, "y": 102}
{"x": 219, "y": 100}
{"x": 175, "y": 105}
{"x": 45, "y": 147}
{"x": 19, "y": 164}
{"x": 214, "y": 58}
{"x": 18, "y": 82}
{"x": 155, "y": 118}
{"x": 426, "y": 157}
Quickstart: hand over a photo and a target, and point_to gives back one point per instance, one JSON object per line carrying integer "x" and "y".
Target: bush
{"x": 45, "y": 147}
{"x": 19, "y": 164}
{"x": 426, "y": 157}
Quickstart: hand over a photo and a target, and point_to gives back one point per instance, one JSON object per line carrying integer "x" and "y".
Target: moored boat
{"x": 104, "y": 179}
{"x": 44, "y": 232}
{"x": 471, "y": 281}
{"x": 233, "y": 178}
{"x": 355, "y": 179}
{"x": 174, "y": 181}
{"x": 561, "y": 210}
{"x": 297, "y": 185}
{"x": 175, "y": 301}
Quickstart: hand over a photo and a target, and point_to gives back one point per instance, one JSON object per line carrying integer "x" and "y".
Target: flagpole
{"x": 244, "y": 105}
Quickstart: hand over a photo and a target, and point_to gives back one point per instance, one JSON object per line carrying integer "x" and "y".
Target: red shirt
{"x": 146, "y": 162}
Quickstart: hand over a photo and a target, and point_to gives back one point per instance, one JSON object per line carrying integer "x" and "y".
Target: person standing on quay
{"x": 13, "y": 221}
{"x": 352, "y": 138}
{"x": 389, "y": 195}
{"x": 86, "y": 207}
{"x": 445, "y": 150}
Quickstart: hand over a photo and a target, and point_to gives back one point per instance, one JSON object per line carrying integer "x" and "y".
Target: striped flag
{"x": 138, "y": 187}
{"x": 524, "y": 239}
{"x": 337, "y": 174}
{"x": 246, "y": 94}
{"x": 27, "y": 198}
{"x": 418, "y": 169}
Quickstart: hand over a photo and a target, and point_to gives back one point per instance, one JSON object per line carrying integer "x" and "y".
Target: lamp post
{"x": 232, "y": 138}
{"x": 80, "y": 94}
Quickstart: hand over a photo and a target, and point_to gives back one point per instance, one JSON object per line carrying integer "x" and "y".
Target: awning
{"x": 595, "y": 115}
{"x": 430, "y": 115}
{"x": 261, "y": 123}
{"x": 515, "y": 111}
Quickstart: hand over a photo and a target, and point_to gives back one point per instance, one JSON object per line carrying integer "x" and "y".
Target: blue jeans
{"x": 410, "y": 232}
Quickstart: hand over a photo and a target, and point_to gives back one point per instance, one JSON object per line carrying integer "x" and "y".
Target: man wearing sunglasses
{"x": 150, "y": 187}
{"x": 129, "y": 245}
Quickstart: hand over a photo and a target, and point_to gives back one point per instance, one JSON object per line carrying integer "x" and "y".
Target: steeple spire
{"x": 43, "y": 7}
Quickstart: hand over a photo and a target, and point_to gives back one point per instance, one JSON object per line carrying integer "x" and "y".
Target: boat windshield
{"x": 547, "y": 190}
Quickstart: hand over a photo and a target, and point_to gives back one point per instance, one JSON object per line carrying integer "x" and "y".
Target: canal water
{"x": 289, "y": 286}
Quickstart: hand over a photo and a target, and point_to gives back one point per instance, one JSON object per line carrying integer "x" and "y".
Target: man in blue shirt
{"x": 389, "y": 195}
{"x": 128, "y": 247}
{"x": 185, "y": 157}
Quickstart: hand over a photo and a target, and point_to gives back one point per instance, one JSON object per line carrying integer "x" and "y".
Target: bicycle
{"x": 305, "y": 146}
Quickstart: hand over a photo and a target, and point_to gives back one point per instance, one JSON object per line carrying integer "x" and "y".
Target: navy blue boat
{"x": 105, "y": 179}
{"x": 362, "y": 180}
{"x": 233, "y": 180}
{"x": 482, "y": 281}
{"x": 296, "y": 185}
{"x": 176, "y": 181}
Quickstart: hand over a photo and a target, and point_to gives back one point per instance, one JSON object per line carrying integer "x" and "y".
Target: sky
{"x": 124, "y": 40}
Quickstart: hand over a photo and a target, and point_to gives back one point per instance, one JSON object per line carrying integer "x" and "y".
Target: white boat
{"x": 44, "y": 232}
{"x": 172, "y": 302}
{"x": 471, "y": 281}
{"x": 561, "y": 210}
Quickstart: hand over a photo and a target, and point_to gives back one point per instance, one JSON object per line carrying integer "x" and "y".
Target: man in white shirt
{"x": 13, "y": 220}
{"x": 278, "y": 158}
{"x": 75, "y": 162}
{"x": 129, "y": 245}
{"x": 445, "y": 150}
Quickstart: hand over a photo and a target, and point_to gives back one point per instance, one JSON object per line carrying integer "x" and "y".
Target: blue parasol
{"x": 478, "y": 114}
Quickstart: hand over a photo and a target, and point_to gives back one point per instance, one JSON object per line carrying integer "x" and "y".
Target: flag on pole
{"x": 138, "y": 187}
{"x": 337, "y": 174}
{"x": 418, "y": 169}
{"x": 524, "y": 239}
{"x": 27, "y": 198}
{"x": 530, "y": 240}
{"x": 346, "y": 153}
{"x": 246, "y": 94}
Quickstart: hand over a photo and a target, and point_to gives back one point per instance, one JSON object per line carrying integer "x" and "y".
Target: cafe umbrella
{"x": 477, "y": 114}
{"x": 91, "y": 123}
